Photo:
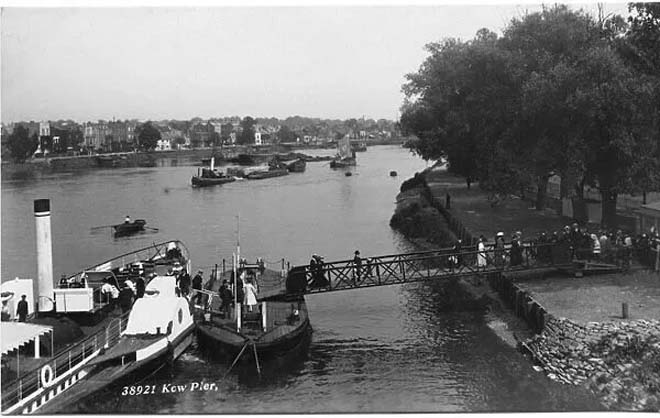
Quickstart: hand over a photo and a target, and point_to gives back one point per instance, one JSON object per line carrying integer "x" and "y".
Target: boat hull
{"x": 206, "y": 181}
{"x": 258, "y": 175}
{"x": 342, "y": 163}
{"x": 109, "y": 378}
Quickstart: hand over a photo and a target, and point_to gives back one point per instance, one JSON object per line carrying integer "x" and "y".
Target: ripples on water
{"x": 387, "y": 349}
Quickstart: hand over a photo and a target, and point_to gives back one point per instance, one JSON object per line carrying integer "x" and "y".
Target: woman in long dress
{"x": 481, "y": 256}
{"x": 250, "y": 292}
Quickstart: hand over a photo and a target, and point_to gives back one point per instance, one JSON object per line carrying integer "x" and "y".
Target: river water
{"x": 388, "y": 349}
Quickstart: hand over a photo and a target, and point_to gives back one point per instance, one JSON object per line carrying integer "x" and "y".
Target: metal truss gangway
{"x": 435, "y": 265}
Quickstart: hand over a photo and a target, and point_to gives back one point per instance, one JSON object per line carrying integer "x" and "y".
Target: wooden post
{"x": 624, "y": 310}
{"x": 264, "y": 316}
{"x": 223, "y": 266}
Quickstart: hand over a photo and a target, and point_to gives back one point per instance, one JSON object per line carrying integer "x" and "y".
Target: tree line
{"x": 559, "y": 92}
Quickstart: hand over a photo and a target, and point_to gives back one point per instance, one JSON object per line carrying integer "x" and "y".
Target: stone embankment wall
{"x": 620, "y": 362}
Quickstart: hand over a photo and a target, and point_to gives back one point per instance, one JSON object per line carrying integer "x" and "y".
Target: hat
{"x": 200, "y": 271}
{"x": 500, "y": 234}
{"x": 357, "y": 252}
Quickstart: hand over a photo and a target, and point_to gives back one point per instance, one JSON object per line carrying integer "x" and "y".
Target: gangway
{"x": 441, "y": 264}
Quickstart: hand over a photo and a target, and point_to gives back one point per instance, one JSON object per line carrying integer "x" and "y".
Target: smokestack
{"x": 44, "y": 255}
{"x": 212, "y": 163}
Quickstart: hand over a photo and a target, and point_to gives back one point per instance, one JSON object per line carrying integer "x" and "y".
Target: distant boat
{"x": 264, "y": 174}
{"x": 297, "y": 166}
{"x": 209, "y": 176}
{"x": 359, "y": 147}
{"x": 345, "y": 156}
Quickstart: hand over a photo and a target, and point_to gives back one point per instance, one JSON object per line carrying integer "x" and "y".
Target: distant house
{"x": 649, "y": 216}
{"x": 163, "y": 145}
{"x": 257, "y": 138}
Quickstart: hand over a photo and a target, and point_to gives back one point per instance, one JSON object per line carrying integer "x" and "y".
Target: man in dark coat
{"x": 226, "y": 297}
{"x": 184, "y": 284}
{"x": 125, "y": 299}
{"x": 22, "y": 309}
{"x": 197, "y": 282}
{"x": 140, "y": 286}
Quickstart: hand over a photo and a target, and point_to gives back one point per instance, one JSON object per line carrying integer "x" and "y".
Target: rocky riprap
{"x": 619, "y": 361}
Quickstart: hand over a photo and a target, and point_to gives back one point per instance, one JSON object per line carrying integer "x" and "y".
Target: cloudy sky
{"x": 166, "y": 62}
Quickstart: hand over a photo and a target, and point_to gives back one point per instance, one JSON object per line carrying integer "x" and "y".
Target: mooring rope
{"x": 237, "y": 358}
{"x": 256, "y": 358}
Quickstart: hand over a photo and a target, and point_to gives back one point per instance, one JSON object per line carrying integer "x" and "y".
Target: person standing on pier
{"x": 481, "y": 256}
{"x": 22, "y": 309}
{"x": 357, "y": 266}
{"x": 499, "y": 249}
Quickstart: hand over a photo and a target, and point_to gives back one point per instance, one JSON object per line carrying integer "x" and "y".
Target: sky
{"x": 333, "y": 61}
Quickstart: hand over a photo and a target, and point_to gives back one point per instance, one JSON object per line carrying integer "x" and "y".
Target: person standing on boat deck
{"x": 197, "y": 285}
{"x": 140, "y": 286}
{"x": 5, "y": 314}
{"x": 357, "y": 265}
{"x": 131, "y": 285}
{"x": 125, "y": 299}
{"x": 127, "y": 220}
{"x": 250, "y": 294}
{"x": 184, "y": 284}
{"x": 111, "y": 293}
{"x": 226, "y": 297}
{"x": 22, "y": 309}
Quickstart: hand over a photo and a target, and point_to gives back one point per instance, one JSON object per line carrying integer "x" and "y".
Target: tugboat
{"x": 48, "y": 354}
{"x": 266, "y": 326}
{"x": 345, "y": 156}
{"x": 210, "y": 176}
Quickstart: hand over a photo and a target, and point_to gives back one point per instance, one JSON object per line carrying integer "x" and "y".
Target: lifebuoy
{"x": 46, "y": 376}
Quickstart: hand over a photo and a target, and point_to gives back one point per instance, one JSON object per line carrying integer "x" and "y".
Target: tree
{"x": 148, "y": 136}
{"x": 550, "y": 96}
{"x": 285, "y": 134}
{"x": 21, "y": 145}
{"x": 226, "y": 129}
{"x": 247, "y": 133}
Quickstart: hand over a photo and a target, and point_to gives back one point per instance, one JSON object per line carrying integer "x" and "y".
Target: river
{"x": 387, "y": 349}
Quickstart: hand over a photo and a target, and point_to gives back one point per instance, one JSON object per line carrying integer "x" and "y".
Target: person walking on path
{"x": 22, "y": 309}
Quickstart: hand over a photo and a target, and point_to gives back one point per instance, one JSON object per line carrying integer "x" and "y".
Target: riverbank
{"x": 570, "y": 341}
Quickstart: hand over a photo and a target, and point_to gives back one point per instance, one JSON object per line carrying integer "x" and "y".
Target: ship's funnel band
{"x": 41, "y": 205}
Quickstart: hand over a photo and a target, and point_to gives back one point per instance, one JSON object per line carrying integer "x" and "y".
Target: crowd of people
{"x": 570, "y": 243}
